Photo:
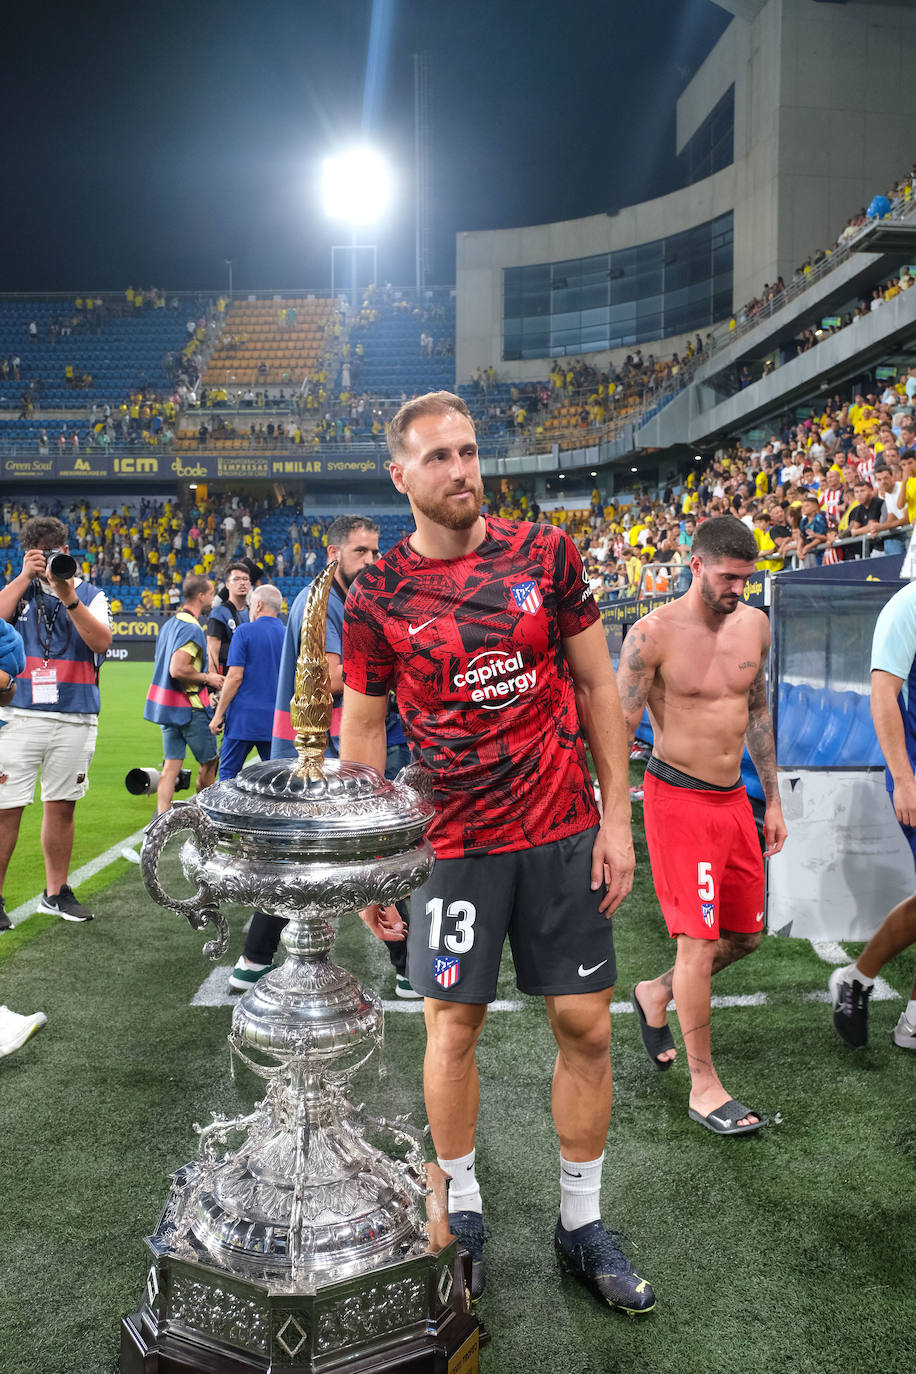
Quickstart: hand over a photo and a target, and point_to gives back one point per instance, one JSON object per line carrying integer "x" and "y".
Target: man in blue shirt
{"x": 812, "y": 533}
{"x": 246, "y": 703}
{"x": 893, "y": 709}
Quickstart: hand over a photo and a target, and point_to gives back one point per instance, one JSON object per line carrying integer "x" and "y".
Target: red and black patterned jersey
{"x": 473, "y": 648}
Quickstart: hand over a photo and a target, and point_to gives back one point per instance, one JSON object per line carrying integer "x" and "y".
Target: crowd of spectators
{"x": 141, "y": 551}
{"x": 900, "y": 194}
{"x": 839, "y": 485}
{"x": 742, "y": 375}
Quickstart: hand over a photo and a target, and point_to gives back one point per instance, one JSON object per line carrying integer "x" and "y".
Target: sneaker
{"x": 65, "y": 905}
{"x": 403, "y": 988}
{"x": 636, "y": 794}
{"x": 15, "y": 1029}
{"x": 904, "y": 1034}
{"x": 468, "y": 1228}
{"x": 245, "y": 974}
{"x": 593, "y": 1256}
{"x": 5, "y": 922}
{"x": 850, "y": 1008}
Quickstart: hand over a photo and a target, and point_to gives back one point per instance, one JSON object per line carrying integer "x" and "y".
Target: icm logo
{"x": 496, "y": 680}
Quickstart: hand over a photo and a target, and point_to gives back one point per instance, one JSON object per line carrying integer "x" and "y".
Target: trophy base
{"x": 412, "y": 1316}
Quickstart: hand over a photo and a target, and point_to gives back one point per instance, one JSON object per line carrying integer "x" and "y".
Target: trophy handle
{"x": 203, "y": 908}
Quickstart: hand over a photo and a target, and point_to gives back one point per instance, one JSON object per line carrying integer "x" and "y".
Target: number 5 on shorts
{"x": 463, "y": 913}
{"x": 705, "y": 886}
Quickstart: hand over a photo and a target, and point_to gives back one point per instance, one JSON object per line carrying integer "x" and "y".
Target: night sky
{"x": 145, "y": 144}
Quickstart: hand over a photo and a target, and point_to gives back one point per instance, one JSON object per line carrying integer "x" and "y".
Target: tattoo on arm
{"x": 759, "y": 735}
{"x": 634, "y": 675}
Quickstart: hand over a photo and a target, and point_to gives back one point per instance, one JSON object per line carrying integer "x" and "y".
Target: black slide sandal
{"x": 656, "y": 1039}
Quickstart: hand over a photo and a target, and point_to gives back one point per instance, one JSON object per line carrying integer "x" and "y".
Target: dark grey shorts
{"x": 541, "y": 898}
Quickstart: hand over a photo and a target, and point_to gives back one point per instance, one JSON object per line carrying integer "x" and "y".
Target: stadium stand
{"x": 80, "y": 355}
{"x": 275, "y": 342}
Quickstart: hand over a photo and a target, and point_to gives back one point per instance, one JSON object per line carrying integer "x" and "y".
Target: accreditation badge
{"x": 44, "y": 686}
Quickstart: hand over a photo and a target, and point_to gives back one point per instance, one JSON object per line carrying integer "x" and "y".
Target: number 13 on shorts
{"x": 464, "y": 914}
{"x": 706, "y": 891}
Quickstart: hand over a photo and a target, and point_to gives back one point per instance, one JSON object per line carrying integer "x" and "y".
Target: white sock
{"x": 853, "y": 971}
{"x": 463, "y": 1188}
{"x": 580, "y": 1191}
{"x": 247, "y": 963}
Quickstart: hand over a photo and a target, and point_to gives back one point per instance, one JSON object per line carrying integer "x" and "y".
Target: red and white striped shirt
{"x": 832, "y": 500}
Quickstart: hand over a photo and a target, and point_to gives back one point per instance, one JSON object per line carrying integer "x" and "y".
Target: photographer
{"x": 178, "y": 700}
{"x": 51, "y": 729}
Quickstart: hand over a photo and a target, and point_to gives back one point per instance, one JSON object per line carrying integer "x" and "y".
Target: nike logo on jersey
{"x": 584, "y": 972}
{"x": 415, "y": 629}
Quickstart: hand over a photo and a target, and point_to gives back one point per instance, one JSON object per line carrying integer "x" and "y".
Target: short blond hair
{"x": 431, "y": 403}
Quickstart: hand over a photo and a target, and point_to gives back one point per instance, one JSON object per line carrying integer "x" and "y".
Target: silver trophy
{"x": 292, "y": 1242}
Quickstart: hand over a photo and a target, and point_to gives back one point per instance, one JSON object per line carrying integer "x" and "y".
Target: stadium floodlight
{"x": 356, "y": 186}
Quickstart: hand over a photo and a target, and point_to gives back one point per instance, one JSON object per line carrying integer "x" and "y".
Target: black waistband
{"x": 675, "y": 778}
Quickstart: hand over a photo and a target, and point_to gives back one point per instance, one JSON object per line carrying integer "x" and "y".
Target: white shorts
{"x": 61, "y": 750}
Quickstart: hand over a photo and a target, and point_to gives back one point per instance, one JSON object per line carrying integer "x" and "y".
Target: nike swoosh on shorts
{"x": 584, "y": 972}
{"x": 415, "y": 629}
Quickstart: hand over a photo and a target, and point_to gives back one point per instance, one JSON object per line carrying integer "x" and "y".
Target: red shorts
{"x": 706, "y": 860}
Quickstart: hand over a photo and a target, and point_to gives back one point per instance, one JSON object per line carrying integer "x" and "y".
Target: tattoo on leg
{"x": 731, "y": 948}
{"x": 693, "y": 1030}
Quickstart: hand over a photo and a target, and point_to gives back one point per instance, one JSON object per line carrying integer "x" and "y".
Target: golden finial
{"x": 310, "y": 707}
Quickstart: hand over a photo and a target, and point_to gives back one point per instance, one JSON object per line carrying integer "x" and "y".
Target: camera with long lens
{"x": 60, "y": 565}
{"x": 140, "y": 782}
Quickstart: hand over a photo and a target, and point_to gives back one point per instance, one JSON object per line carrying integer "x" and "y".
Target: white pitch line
{"x": 833, "y": 953}
{"x": 744, "y": 999}
{"x": 214, "y": 992}
{"x": 830, "y": 952}
{"x": 88, "y": 870}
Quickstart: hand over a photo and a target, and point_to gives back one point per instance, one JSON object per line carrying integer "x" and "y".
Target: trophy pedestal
{"x": 412, "y": 1316}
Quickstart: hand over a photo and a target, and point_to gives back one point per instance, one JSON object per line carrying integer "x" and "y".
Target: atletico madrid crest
{"x": 527, "y": 597}
{"x": 446, "y": 971}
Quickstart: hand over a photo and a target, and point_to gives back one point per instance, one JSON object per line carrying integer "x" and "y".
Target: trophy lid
{"x": 350, "y": 809}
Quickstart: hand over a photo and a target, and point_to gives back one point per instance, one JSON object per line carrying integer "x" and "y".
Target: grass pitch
{"x": 788, "y": 1250}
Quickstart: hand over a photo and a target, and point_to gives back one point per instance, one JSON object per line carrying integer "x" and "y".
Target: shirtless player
{"x": 699, "y": 665}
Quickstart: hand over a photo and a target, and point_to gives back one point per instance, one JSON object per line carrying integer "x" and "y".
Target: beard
{"x": 444, "y": 512}
{"x": 724, "y": 605}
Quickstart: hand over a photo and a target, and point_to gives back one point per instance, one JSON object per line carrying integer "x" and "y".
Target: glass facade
{"x": 635, "y": 295}
{"x": 712, "y": 147}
